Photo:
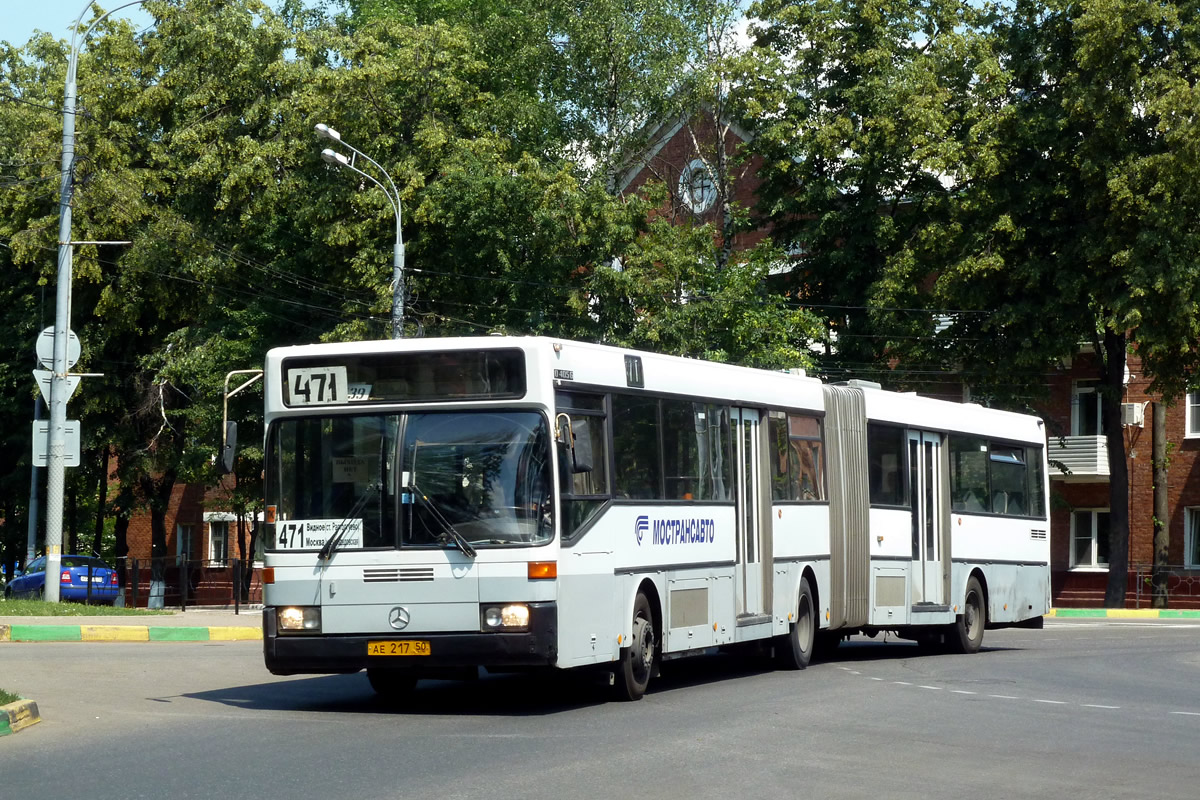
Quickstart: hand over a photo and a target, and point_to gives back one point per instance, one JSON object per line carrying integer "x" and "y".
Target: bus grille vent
{"x": 1037, "y": 534}
{"x": 397, "y": 574}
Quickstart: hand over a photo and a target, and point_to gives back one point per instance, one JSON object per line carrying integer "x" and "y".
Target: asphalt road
{"x": 1095, "y": 708}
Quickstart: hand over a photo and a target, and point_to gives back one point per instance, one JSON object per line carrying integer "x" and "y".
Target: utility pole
{"x": 60, "y": 384}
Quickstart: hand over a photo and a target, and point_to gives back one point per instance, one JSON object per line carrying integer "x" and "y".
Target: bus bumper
{"x": 298, "y": 654}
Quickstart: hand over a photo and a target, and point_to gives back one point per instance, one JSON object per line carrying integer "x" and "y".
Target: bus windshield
{"x": 411, "y": 480}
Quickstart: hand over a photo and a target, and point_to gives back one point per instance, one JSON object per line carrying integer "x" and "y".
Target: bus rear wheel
{"x": 794, "y": 650}
{"x": 391, "y": 684}
{"x": 637, "y": 660}
{"x": 966, "y": 634}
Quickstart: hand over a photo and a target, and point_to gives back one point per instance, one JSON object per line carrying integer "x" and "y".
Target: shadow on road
{"x": 532, "y": 694}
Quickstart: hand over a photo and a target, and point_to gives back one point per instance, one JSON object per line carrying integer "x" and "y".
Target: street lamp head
{"x": 326, "y": 132}
{"x": 337, "y": 159}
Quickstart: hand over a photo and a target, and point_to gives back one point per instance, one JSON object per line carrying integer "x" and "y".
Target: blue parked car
{"x": 72, "y": 580}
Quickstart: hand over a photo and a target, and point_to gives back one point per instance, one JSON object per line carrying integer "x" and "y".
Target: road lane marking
{"x": 1097, "y": 705}
{"x": 1051, "y": 702}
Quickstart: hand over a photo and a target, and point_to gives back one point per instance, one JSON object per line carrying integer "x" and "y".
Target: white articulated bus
{"x": 440, "y": 505}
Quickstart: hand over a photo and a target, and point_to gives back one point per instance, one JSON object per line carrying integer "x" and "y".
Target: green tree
{"x": 860, "y": 111}
{"x": 1080, "y": 223}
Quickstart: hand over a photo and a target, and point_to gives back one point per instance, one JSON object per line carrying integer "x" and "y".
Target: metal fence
{"x": 180, "y": 582}
{"x": 1182, "y": 586}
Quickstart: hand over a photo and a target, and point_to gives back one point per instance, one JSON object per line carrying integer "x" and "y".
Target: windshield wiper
{"x": 333, "y": 541}
{"x": 449, "y": 534}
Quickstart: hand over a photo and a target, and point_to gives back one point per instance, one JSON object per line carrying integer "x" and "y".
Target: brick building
{"x": 1079, "y": 516}
{"x": 202, "y": 543}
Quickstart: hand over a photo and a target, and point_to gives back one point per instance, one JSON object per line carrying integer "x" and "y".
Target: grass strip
{"x": 41, "y": 608}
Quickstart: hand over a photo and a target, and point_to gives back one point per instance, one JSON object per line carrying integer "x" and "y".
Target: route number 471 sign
{"x": 317, "y": 386}
{"x": 323, "y": 386}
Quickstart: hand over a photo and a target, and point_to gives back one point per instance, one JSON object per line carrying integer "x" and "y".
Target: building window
{"x": 696, "y": 187}
{"x": 1192, "y": 412}
{"x": 1087, "y": 409}
{"x": 1089, "y": 539}
{"x": 1191, "y": 538}
{"x": 185, "y": 545}
{"x": 218, "y": 543}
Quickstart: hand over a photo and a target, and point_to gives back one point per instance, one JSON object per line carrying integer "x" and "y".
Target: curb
{"x": 18, "y": 716}
{"x": 1126, "y": 613}
{"x": 126, "y": 633}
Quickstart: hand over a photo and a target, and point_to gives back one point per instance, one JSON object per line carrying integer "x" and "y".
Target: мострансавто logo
{"x": 676, "y": 531}
{"x": 641, "y": 526}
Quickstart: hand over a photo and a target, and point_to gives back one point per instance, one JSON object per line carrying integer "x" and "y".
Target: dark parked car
{"x": 75, "y": 572}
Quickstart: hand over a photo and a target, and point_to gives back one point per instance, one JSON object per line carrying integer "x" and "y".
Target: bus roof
{"x": 583, "y": 365}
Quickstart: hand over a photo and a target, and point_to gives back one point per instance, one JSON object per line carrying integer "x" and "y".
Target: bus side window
{"x": 584, "y": 462}
{"x": 886, "y": 459}
{"x": 968, "y": 474}
{"x": 584, "y": 458}
{"x": 1008, "y": 479}
{"x": 635, "y": 448}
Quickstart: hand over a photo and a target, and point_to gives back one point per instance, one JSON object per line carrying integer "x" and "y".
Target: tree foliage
{"x": 1080, "y": 223}
{"x": 861, "y": 111}
{"x": 195, "y": 142}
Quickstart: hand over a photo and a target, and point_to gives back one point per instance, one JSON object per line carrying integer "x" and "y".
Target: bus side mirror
{"x": 229, "y": 448}
{"x": 581, "y": 446}
{"x": 574, "y": 446}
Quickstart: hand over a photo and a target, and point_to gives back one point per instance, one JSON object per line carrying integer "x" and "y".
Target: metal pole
{"x": 62, "y": 320}
{"x": 32, "y": 530}
{"x": 394, "y": 198}
{"x": 398, "y": 280}
{"x": 59, "y": 389}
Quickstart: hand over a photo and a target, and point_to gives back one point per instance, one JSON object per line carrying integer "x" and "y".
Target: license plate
{"x": 404, "y": 647}
{"x": 97, "y": 579}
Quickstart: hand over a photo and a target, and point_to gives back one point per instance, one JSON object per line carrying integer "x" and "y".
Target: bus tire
{"x": 794, "y": 649}
{"x": 966, "y": 635}
{"x": 637, "y": 660}
{"x": 391, "y": 684}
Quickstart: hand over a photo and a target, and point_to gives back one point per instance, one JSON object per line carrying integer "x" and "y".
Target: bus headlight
{"x": 300, "y": 618}
{"x": 510, "y": 617}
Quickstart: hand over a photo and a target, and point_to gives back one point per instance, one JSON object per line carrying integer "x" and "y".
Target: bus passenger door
{"x": 925, "y": 498}
{"x": 750, "y": 590}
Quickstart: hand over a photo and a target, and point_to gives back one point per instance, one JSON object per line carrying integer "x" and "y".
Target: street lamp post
{"x": 393, "y": 196}
{"x": 60, "y": 389}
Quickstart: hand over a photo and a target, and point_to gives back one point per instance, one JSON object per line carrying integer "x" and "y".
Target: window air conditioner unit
{"x": 1133, "y": 415}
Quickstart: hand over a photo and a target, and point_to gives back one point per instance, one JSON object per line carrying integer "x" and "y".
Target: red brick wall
{"x": 668, "y": 163}
{"x": 1183, "y": 477}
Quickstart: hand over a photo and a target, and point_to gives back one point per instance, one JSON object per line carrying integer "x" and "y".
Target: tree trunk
{"x": 101, "y": 502}
{"x": 157, "y": 494}
{"x": 1162, "y": 533}
{"x": 1118, "y": 471}
{"x": 72, "y": 518}
{"x": 8, "y": 542}
{"x": 122, "y": 507}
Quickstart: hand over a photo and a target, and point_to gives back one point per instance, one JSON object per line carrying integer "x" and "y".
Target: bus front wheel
{"x": 794, "y": 649}
{"x": 966, "y": 634}
{"x": 637, "y": 660}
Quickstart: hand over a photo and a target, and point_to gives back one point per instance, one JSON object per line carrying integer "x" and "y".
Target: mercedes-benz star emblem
{"x": 398, "y": 618}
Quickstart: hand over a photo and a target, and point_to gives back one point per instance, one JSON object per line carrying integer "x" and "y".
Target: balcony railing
{"x": 1084, "y": 456}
